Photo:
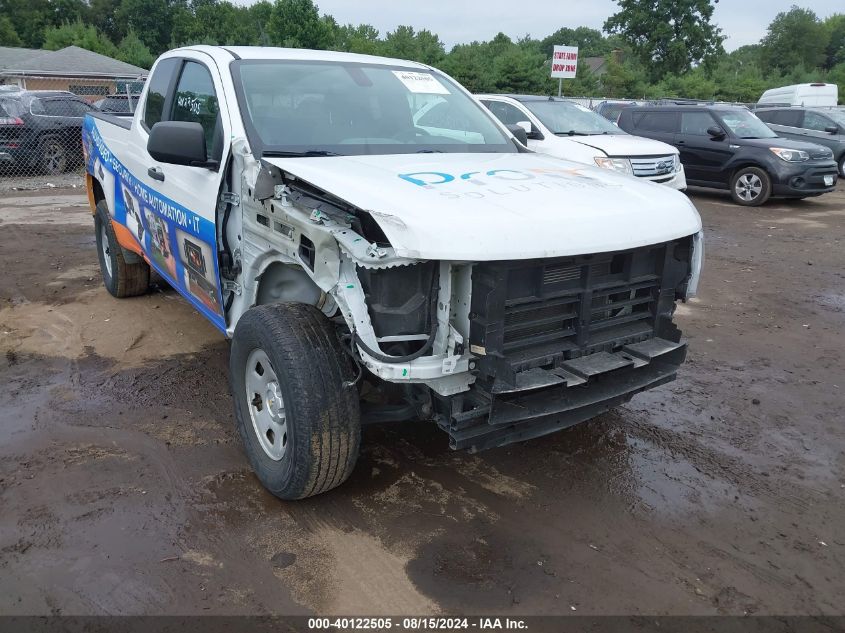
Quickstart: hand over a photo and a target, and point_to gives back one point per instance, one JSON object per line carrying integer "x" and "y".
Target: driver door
{"x": 171, "y": 209}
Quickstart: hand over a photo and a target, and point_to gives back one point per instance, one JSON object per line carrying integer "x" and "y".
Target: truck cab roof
{"x": 294, "y": 54}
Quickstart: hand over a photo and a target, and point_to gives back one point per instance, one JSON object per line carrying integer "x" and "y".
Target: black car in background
{"x": 611, "y": 110}
{"x": 823, "y": 126}
{"x": 123, "y": 104}
{"x": 41, "y": 130}
{"x": 727, "y": 147}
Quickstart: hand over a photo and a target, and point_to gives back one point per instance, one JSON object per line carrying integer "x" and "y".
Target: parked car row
{"x": 41, "y": 130}
{"x": 564, "y": 129}
{"x": 800, "y": 153}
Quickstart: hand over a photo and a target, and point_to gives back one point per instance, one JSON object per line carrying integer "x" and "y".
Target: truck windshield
{"x": 746, "y": 125}
{"x": 565, "y": 117}
{"x": 318, "y": 108}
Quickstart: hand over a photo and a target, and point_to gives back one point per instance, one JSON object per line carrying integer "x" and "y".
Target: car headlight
{"x": 617, "y": 164}
{"x": 790, "y": 155}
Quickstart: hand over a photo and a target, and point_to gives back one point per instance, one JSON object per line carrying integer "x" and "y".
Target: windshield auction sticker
{"x": 423, "y": 83}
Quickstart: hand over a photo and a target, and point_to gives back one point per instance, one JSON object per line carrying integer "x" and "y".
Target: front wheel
{"x": 298, "y": 420}
{"x": 842, "y": 166}
{"x": 751, "y": 187}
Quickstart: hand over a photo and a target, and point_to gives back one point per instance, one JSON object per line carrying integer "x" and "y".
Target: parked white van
{"x": 817, "y": 94}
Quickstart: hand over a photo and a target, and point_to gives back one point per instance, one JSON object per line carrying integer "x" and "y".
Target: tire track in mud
{"x": 719, "y": 465}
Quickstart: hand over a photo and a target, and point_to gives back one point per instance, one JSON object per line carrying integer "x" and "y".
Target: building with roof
{"x": 83, "y": 72}
{"x": 597, "y": 65}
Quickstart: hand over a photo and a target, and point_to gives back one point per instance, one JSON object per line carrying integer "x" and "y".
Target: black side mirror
{"x": 716, "y": 132}
{"x": 179, "y": 143}
{"x": 519, "y": 133}
{"x": 831, "y": 129}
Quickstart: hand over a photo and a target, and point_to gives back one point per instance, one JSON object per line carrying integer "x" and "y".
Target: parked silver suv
{"x": 820, "y": 125}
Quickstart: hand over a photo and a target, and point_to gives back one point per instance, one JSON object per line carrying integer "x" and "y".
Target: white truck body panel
{"x": 481, "y": 207}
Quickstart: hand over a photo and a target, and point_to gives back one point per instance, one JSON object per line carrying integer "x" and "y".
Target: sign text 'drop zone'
{"x": 564, "y": 62}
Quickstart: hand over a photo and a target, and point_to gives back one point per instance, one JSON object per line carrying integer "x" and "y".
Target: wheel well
{"x": 98, "y": 191}
{"x": 287, "y": 282}
{"x": 744, "y": 165}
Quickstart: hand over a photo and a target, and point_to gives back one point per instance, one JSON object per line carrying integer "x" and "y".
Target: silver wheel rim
{"x": 104, "y": 246}
{"x": 54, "y": 157}
{"x": 748, "y": 187}
{"x": 266, "y": 405}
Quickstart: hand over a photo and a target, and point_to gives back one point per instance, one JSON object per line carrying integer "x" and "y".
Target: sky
{"x": 462, "y": 21}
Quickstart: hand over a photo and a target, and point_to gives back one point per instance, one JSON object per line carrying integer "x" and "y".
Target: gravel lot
{"x": 124, "y": 489}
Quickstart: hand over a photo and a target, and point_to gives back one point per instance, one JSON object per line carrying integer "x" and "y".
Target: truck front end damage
{"x": 558, "y": 341}
{"x": 493, "y": 351}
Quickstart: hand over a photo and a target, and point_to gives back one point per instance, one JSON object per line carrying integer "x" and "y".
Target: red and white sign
{"x": 564, "y": 62}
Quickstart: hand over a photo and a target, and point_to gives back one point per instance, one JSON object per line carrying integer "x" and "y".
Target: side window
{"x": 58, "y": 107}
{"x": 657, "y": 121}
{"x": 196, "y": 101}
{"x": 507, "y": 113}
{"x": 157, "y": 92}
{"x": 790, "y": 118}
{"x": 696, "y": 123}
{"x": 815, "y": 121}
{"x": 79, "y": 108}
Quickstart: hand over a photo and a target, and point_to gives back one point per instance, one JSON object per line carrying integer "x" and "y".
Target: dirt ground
{"x": 124, "y": 489}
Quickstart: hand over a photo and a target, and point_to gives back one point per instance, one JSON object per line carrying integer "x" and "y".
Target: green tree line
{"x": 653, "y": 48}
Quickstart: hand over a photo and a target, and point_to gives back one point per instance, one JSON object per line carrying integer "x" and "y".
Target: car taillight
{"x": 11, "y": 120}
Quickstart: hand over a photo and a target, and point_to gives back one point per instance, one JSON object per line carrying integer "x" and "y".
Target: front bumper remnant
{"x": 564, "y": 397}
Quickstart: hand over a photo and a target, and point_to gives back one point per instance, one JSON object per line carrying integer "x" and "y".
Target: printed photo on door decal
{"x": 197, "y": 261}
{"x": 106, "y": 180}
{"x": 160, "y": 249}
{"x": 133, "y": 215}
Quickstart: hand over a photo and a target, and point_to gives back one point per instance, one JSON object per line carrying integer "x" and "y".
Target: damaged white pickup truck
{"x": 379, "y": 248}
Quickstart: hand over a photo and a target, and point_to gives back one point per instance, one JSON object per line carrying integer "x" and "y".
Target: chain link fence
{"x": 41, "y": 125}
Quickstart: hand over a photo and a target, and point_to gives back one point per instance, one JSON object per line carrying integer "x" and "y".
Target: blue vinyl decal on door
{"x": 178, "y": 243}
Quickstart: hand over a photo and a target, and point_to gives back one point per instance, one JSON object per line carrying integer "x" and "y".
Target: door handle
{"x": 680, "y": 142}
{"x": 155, "y": 173}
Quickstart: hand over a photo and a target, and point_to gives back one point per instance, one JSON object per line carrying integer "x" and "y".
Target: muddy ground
{"x": 124, "y": 488}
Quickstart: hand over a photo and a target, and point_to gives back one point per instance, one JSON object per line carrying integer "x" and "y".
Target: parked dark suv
{"x": 824, "y": 126}
{"x": 41, "y": 130}
{"x": 117, "y": 103}
{"x": 611, "y": 110}
{"x": 727, "y": 147}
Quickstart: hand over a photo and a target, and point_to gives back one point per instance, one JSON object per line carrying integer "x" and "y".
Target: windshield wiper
{"x": 573, "y": 133}
{"x": 430, "y": 151}
{"x": 270, "y": 153}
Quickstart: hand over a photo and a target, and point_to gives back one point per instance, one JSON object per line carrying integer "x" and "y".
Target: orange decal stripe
{"x": 126, "y": 239}
{"x": 89, "y": 185}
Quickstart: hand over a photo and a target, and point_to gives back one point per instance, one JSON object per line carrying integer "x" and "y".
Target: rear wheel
{"x": 120, "y": 278}
{"x": 299, "y": 423}
{"x": 53, "y": 156}
{"x": 751, "y": 187}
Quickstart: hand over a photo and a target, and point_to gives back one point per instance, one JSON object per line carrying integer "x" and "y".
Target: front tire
{"x": 300, "y": 425}
{"x": 120, "y": 278}
{"x": 751, "y": 187}
{"x": 842, "y": 166}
